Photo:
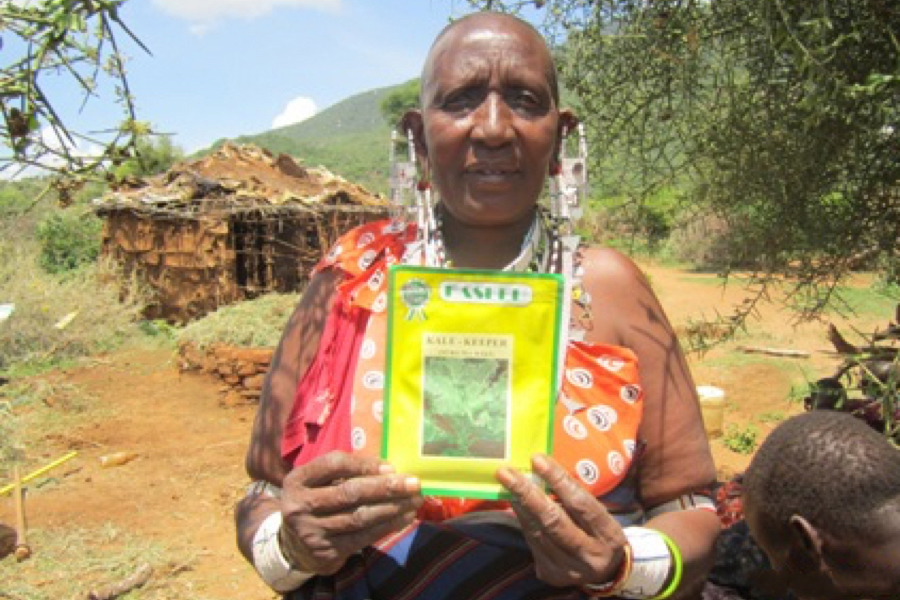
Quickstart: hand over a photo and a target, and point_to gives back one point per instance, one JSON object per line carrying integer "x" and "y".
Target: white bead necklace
{"x": 539, "y": 251}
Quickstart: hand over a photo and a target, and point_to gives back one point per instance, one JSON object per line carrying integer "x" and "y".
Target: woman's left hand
{"x": 575, "y": 541}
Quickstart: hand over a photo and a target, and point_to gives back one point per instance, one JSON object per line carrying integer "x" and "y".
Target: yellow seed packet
{"x": 471, "y": 375}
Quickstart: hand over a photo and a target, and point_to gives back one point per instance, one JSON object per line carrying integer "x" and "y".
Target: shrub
{"x": 68, "y": 241}
{"x": 701, "y": 242}
{"x": 89, "y": 310}
{"x": 741, "y": 440}
{"x": 257, "y": 322}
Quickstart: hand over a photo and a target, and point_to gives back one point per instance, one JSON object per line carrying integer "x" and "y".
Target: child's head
{"x": 822, "y": 499}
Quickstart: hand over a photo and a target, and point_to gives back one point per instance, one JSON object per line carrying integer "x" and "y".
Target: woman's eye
{"x": 525, "y": 100}
{"x": 461, "y": 101}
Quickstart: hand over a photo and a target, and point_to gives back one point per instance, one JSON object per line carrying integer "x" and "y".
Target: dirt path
{"x": 188, "y": 473}
{"x": 183, "y": 484}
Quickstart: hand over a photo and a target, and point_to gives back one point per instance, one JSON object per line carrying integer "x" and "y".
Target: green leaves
{"x": 75, "y": 40}
{"x": 757, "y": 113}
{"x": 465, "y": 403}
{"x": 400, "y": 100}
{"x": 68, "y": 241}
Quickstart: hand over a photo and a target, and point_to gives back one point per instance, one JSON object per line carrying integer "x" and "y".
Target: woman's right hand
{"x": 337, "y": 504}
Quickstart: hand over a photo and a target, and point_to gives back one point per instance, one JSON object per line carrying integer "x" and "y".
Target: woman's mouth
{"x": 490, "y": 175}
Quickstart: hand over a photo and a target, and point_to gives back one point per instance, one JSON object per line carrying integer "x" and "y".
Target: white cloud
{"x": 205, "y": 11}
{"x": 298, "y": 109}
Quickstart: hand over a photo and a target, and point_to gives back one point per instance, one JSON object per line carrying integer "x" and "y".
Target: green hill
{"x": 350, "y": 138}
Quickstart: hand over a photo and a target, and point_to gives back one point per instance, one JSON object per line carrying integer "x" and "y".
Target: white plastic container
{"x": 712, "y": 405}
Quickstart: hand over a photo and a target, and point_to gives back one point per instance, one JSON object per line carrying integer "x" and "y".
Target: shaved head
{"x": 485, "y": 24}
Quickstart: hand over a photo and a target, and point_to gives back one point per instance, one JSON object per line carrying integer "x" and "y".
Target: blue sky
{"x": 222, "y": 68}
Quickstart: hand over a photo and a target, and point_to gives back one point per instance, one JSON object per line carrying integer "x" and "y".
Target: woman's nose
{"x": 493, "y": 121}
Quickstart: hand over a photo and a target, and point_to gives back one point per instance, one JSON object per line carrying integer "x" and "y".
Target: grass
{"x": 774, "y": 416}
{"x": 38, "y": 416}
{"x": 36, "y": 409}
{"x": 715, "y": 280}
{"x": 742, "y": 440}
{"x": 70, "y": 562}
{"x": 872, "y": 301}
{"x": 257, "y": 322}
{"x": 61, "y": 317}
{"x": 875, "y": 300}
{"x": 734, "y": 359}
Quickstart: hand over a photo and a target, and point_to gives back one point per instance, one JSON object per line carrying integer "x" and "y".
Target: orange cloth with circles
{"x": 598, "y": 410}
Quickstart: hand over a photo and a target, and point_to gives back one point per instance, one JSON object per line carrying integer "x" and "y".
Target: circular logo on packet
{"x": 358, "y": 438}
{"x": 630, "y": 393}
{"x": 580, "y": 378}
{"x": 415, "y": 293}
{"x": 629, "y": 446}
{"x": 367, "y": 350}
{"x": 588, "y": 471}
{"x": 574, "y": 427}
{"x": 616, "y": 463}
{"x": 373, "y": 380}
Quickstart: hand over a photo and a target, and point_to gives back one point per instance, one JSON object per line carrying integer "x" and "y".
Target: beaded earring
{"x": 410, "y": 195}
{"x": 424, "y": 208}
{"x": 402, "y": 180}
{"x": 568, "y": 181}
{"x": 568, "y": 188}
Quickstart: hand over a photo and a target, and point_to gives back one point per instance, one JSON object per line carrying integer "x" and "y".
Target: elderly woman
{"x": 628, "y": 514}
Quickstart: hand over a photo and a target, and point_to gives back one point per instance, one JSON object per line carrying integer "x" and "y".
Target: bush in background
{"x": 90, "y": 310}
{"x": 68, "y": 240}
{"x": 252, "y": 323}
{"x": 621, "y": 222}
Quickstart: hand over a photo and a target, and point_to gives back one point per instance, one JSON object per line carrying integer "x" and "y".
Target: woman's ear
{"x": 566, "y": 125}
{"x": 567, "y": 122}
{"x": 412, "y": 122}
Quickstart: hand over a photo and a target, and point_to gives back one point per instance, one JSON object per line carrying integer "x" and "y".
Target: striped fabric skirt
{"x": 460, "y": 559}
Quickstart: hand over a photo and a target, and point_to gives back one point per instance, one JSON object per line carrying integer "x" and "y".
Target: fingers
{"x": 334, "y": 466}
{"x": 337, "y": 504}
{"x": 544, "y": 522}
{"x": 367, "y": 516}
{"x": 351, "y": 493}
{"x": 322, "y": 546}
{"x": 589, "y": 514}
{"x": 366, "y": 536}
{"x": 534, "y": 505}
{"x": 573, "y": 541}
{"x": 337, "y": 481}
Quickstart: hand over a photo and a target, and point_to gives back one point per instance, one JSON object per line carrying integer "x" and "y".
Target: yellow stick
{"x": 7, "y": 489}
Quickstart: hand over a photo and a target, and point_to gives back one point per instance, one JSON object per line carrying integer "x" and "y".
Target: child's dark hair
{"x": 828, "y": 467}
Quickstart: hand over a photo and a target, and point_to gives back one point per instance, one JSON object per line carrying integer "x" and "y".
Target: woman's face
{"x": 490, "y": 122}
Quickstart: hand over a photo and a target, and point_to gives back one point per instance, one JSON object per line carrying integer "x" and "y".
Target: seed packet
{"x": 471, "y": 375}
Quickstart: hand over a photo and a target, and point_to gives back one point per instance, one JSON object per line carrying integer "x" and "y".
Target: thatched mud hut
{"x": 232, "y": 225}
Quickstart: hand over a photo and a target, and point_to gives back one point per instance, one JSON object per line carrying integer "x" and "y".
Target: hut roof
{"x": 235, "y": 178}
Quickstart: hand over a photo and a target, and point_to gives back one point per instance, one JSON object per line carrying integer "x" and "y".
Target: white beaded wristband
{"x": 270, "y": 562}
{"x": 652, "y": 563}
